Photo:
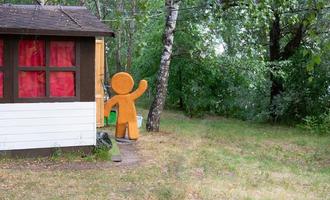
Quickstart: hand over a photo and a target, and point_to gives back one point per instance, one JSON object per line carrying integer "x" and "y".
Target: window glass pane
{"x": 62, "y": 53}
{"x": 1, "y": 84}
{"x": 31, "y": 53}
{"x": 1, "y": 53}
{"x": 32, "y": 84}
{"x": 62, "y": 84}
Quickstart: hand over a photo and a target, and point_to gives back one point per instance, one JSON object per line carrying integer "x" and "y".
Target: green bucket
{"x": 111, "y": 119}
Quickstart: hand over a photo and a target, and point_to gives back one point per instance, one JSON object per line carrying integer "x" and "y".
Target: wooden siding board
{"x": 42, "y": 115}
{"x": 51, "y": 106}
{"x": 46, "y": 136}
{"x": 99, "y": 80}
{"x": 49, "y": 121}
{"x": 46, "y": 144}
{"x": 45, "y": 125}
{"x": 23, "y": 130}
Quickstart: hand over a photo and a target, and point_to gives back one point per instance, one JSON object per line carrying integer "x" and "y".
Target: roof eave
{"x": 25, "y": 31}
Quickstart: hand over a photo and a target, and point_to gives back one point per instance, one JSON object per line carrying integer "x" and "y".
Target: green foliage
{"x": 101, "y": 153}
{"x": 60, "y": 155}
{"x": 98, "y": 153}
{"x": 220, "y": 62}
{"x": 317, "y": 124}
{"x": 306, "y": 80}
{"x": 228, "y": 86}
{"x": 57, "y": 154}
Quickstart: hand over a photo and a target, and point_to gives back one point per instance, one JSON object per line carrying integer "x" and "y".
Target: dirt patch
{"x": 129, "y": 154}
{"x": 287, "y": 146}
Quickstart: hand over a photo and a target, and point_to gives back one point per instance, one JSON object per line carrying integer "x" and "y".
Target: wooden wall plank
{"x": 46, "y": 106}
{"x": 45, "y": 144}
{"x": 26, "y": 130}
{"x": 46, "y": 125}
{"x": 99, "y": 80}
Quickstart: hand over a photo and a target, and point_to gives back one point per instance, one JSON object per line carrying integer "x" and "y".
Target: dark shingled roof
{"x": 50, "y": 20}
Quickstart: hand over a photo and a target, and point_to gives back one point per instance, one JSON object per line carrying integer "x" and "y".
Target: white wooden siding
{"x": 44, "y": 125}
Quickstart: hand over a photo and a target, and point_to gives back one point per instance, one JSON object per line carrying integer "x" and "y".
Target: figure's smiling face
{"x": 122, "y": 83}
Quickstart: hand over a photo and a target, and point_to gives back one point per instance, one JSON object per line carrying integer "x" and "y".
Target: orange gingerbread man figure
{"x": 122, "y": 83}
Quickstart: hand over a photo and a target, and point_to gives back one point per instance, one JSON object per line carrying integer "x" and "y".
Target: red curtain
{"x": 1, "y": 53}
{"x": 1, "y": 84}
{"x": 31, "y": 53}
{"x": 62, "y": 53}
{"x": 32, "y": 84}
{"x": 62, "y": 84}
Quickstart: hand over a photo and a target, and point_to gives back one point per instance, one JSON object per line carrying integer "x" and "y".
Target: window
{"x": 46, "y": 69}
{"x": 31, "y": 84}
{"x": 62, "y": 55}
{"x": 62, "y": 84}
{"x": 31, "y": 53}
{"x": 1, "y": 67}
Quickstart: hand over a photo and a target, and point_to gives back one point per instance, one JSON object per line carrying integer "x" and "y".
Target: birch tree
{"x": 130, "y": 36}
{"x": 158, "y": 103}
{"x": 120, "y": 8}
{"x": 41, "y": 2}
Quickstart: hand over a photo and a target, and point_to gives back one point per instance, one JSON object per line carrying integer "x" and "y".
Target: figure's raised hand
{"x": 143, "y": 85}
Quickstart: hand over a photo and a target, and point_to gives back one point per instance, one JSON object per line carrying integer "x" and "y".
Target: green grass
{"x": 115, "y": 149}
{"x": 209, "y": 158}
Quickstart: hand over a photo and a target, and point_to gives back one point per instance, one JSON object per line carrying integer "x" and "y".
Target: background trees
{"x": 253, "y": 60}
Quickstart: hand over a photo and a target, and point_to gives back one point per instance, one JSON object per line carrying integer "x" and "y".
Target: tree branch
{"x": 274, "y": 38}
{"x": 98, "y": 9}
{"x": 294, "y": 43}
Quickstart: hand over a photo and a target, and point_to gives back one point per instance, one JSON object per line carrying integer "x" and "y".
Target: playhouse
{"x": 51, "y": 71}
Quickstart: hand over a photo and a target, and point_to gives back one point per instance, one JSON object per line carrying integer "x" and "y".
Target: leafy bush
{"x": 306, "y": 89}
{"x": 317, "y": 124}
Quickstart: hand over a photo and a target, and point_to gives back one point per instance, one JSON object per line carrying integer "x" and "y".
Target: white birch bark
{"x": 120, "y": 8}
{"x": 131, "y": 32}
{"x": 41, "y": 2}
{"x": 157, "y": 106}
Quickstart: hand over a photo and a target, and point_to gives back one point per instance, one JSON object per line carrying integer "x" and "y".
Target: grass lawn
{"x": 210, "y": 158}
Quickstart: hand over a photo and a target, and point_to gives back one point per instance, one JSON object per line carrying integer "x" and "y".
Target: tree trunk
{"x": 118, "y": 35}
{"x": 274, "y": 51}
{"x": 277, "y": 55}
{"x": 130, "y": 36}
{"x": 98, "y": 9}
{"x": 158, "y": 103}
{"x": 41, "y": 2}
{"x": 82, "y": 2}
{"x": 181, "y": 103}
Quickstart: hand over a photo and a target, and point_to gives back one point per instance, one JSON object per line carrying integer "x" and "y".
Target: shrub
{"x": 317, "y": 124}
